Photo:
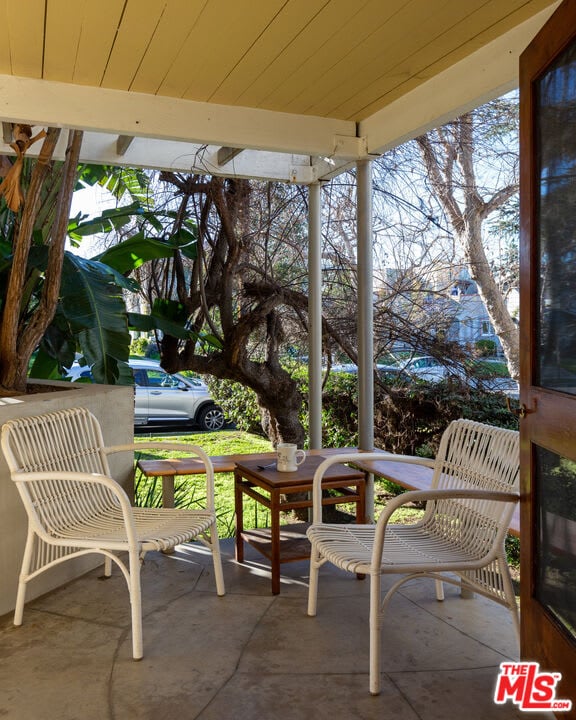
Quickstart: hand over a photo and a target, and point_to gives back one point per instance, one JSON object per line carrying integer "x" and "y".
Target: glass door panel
{"x": 556, "y": 223}
{"x": 555, "y": 584}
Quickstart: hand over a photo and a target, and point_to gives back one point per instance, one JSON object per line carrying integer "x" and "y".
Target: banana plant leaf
{"x": 118, "y": 181}
{"x": 138, "y": 249}
{"x": 135, "y": 251}
{"x": 149, "y": 323}
{"x": 111, "y": 219}
{"x": 93, "y": 305}
{"x": 57, "y": 350}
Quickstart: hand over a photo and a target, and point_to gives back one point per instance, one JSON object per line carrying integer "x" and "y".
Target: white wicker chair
{"x": 59, "y": 463}
{"x": 459, "y": 540}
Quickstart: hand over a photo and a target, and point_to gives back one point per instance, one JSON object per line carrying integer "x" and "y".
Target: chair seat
{"x": 156, "y": 529}
{"x": 407, "y": 548}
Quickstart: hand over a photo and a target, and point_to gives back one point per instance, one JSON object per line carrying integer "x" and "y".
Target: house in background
{"x": 471, "y": 323}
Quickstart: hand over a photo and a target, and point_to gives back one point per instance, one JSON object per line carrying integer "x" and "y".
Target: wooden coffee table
{"x": 273, "y": 490}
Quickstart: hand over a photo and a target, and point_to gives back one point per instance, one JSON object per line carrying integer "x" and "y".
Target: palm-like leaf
{"x": 93, "y": 305}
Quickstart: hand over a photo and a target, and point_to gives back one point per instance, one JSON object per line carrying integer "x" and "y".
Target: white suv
{"x": 161, "y": 397}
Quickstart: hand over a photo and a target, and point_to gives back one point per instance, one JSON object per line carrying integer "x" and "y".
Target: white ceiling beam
{"x": 7, "y": 136}
{"x": 484, "y": 75}
{"x": 43, "y": 102}
{"x": 100, "y": 148}
{"x": 227, "y": 154}
{"x": 123, "y": 142}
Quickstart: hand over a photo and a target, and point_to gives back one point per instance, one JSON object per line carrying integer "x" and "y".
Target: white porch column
{"x": 365, "y": 318}
{"x": 315, "y": 315}
{"x": 365, "y": 307}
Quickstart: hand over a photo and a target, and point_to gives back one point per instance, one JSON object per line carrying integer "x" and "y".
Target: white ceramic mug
{"x": 289, "y": 457}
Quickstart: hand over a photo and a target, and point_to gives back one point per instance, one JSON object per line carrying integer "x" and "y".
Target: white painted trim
{"x": 156, "y": 154}
{"x": 43, "y": 102}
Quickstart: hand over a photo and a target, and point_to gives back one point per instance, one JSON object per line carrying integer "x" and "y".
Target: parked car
{"x": 389, "y": 374}
{"x": 161, "y": 397}
{"x": 425, "y": 367}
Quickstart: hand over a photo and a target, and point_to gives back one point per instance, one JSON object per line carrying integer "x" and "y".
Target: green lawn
{"x": 189, "y": 491}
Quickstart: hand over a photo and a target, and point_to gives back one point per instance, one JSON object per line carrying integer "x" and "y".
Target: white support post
{"x": 365, "y": 318}
{"x": 315, "y": 315}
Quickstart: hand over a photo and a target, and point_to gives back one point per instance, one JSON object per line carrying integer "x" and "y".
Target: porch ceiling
{"x": 301, "y": 87}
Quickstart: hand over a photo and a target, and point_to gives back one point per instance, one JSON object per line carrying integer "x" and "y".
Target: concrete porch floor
{"x": 250, "y": 655}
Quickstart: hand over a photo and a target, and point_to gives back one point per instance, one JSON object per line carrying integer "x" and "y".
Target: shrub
{"x": 239, "y": 404}
{"x": 485, "y": 348}
{"x": 139, "y": 346}
{"x": 411, "y": 420}
{"x": 408, "y": 420}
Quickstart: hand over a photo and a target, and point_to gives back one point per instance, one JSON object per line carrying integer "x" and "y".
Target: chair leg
{"x": 313, "y": 582}
{"x": 375, "y": 627}
{"x": 23, "y": 578}
{"x": 217, "y": 560}
{"x": 509, "y": 594}
{"x": 136, "y": 605}
{"x": 439, "y": 590}
{"x": 107, "y": 566}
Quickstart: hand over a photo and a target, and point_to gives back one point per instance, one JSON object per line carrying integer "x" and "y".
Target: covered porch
{"x": 250, "y": 654}
{"x": 137, "y": 78}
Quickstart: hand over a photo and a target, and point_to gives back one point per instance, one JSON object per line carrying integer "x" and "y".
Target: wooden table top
{"x": 302, "y": 476}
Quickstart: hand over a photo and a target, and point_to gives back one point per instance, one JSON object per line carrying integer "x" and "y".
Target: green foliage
{"x": 92, "y": 314}
{"x": 139, "y": 248}
{"x": 239, "y": 403}
{"x": 139, "y": 346}
{"x": 190, "y": 492}
{"x": 409, "y": 420}
{"x": 117, "y": 181}
{"x": 110, "y": 220}
{"x": 340, "y": 411}
{"x": 485, "y": 348}
{"x": 512, "y": 545}
{"x": 93, "y": 305}
{"x": 412, "y": 419}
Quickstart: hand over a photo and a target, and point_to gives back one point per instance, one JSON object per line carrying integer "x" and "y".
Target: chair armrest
{"x": 354, "y": 458}
{"x": 176, "y": 447}
{"x": 431, "y": 495}
{"x": 442, "y": 494}
{"x": 82, "y": 477}
{"x": 390, "y": 457}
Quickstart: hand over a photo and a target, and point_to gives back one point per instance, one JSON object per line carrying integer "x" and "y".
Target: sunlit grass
{"x": 190, "y": 491}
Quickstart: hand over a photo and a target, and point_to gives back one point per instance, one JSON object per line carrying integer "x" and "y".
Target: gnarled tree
{"x": 236, "y": 292}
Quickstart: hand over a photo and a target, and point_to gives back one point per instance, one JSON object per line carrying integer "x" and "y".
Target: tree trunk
{"x": 504, "y": 326}
{"x": 19, "y": 339}
{"x": 443, "y": 151}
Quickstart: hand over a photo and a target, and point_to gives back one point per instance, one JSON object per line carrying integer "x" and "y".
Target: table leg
{"x": 275, "y": 540}
{"x": 239, "y": 513}
{"x": 168, "y": 500}
{"x": 168, "y": 491}
{"x": 361, "y": 503}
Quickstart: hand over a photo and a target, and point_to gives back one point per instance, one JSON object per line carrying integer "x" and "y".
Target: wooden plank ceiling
{"x": 339, "y": 59}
